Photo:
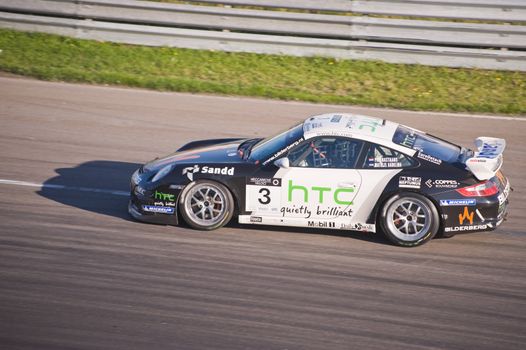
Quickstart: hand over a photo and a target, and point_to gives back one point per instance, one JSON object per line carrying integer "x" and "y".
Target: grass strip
{"x": 315, "y": 79}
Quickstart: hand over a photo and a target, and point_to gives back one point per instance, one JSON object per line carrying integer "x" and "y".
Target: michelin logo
{"x": 157, "y": 209}
{"x": 457, "y": 202}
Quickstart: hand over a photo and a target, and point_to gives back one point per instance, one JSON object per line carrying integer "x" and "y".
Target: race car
{"x": 331, "y": 171}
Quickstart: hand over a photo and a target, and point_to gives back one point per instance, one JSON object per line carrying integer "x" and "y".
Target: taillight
{"x": 482, "y": 189}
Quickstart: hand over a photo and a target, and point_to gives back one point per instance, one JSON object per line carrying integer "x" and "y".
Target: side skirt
{"x": 314, "y": 223}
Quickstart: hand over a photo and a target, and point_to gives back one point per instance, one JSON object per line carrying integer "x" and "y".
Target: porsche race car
{"x": 331, "y": 171}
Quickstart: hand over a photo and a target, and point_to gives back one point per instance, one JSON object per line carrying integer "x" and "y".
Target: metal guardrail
{"x": 490, "y": 46}
{"x": 488, "y": 10}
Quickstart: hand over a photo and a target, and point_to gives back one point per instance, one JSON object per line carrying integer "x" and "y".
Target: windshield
{"x": 427, "y": 144}
{"x": 273, "y": 147}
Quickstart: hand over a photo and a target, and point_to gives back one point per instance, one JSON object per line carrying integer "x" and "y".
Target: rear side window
{"x": 380, "y": 157}
{"x": 426, "y": 144}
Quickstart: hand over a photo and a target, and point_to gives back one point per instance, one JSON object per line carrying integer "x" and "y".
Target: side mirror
{"x": 282, "y": 163}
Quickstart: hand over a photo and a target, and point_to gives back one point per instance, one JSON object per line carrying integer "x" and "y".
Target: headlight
{"x": 162, "y": 173}
{"x": 136, "y": 178}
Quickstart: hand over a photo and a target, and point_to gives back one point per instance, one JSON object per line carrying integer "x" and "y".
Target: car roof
{"x": 356, "y": 126}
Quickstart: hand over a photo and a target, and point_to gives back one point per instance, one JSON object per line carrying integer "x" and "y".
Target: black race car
{"x": 335, "y": 171}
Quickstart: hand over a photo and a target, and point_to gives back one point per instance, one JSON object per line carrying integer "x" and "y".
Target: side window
{"x": 326, "y": 152}
{"x": 380, "y": 157}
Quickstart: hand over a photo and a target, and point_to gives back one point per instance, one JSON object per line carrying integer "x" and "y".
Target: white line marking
{"x": 62, "y": 187}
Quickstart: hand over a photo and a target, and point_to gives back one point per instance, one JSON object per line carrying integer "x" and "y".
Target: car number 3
{"x": 265, "y": 196}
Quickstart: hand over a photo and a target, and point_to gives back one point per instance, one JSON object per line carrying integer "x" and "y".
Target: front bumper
{"x": 144, "y": 206}
{"x": 137, "y": 212}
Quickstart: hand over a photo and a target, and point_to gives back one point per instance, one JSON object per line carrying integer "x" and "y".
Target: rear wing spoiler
{"x": 487, "y": 159}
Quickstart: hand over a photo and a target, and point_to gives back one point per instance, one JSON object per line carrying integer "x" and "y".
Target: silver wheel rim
{"x": 409, "y": 219}
{"x": 205, "y": 204}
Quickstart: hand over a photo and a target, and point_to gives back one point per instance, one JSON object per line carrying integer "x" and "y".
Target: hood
{"x": 222, "y": 153}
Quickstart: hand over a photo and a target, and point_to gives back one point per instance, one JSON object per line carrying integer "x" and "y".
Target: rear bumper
{"x": 476, "y": 213}
{"x": 504, "y": 200}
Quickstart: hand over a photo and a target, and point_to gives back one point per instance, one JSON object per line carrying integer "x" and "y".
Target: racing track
{"x": 77, "y": 273}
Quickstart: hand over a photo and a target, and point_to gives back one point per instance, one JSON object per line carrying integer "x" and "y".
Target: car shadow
{"x": 101, "y": 186}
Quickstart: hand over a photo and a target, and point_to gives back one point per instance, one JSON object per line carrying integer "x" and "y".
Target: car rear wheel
{"x": 206, "y": 205}
{"x": 409, "y": 219}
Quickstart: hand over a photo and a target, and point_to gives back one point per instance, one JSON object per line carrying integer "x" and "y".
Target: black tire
{"x": 409, "y": 219}
{"x": 206, "y": 205}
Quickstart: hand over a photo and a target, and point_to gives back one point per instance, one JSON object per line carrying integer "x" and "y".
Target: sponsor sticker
{"x": 139, "y": 190}
{"x": 320, "y": 211}
{"x": 321, "y": 224}
{"x": 504, "y": 195}
{"x": 218, "y": 171}
{"x": 369, "y": 124}
{"x": 409, "y": 140}
{"x": 164, "y": 204}
{"x": 466, "y": 228}
{"x": 286, "y": 149}
{"x": 489, "y": 150}
{"x": 429, "y": 158}
{"x": 457, "y": 202}
{"x": 158, "y": 209}
{"x": 164, "y": 196}
{"x": 442, "y": 183}
{"x": 190, "y": 171}
{"x": 262, "y": 181}
{"x": 256, "y": 219}
{"x": 384, "y": 162}
{"x": 409, "y": 182}
{"x": 335, "y": 133}
{"x": 358, "y": 227}
{"x": 466, "y": 215}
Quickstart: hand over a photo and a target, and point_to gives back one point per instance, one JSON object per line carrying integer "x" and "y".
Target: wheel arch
{"x": 377, "y": 210}
{"x": 235, "y": 196}
{"x": 435, "y": 229}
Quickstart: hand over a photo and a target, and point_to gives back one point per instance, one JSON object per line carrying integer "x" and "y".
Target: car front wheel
{"x": 409, "y": 219}
{"x": 206, "y": 205}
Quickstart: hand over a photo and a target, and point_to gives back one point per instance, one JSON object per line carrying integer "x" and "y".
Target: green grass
{"x": 315, "y": 79}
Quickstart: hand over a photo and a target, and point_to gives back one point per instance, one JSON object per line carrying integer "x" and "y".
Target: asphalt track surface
{"x": 77, "y": 273}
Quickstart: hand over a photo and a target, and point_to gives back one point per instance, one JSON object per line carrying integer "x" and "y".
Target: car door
{"x": 379, "y": 166}
{"x": 320, "y": 187}
{"x": 331, "y": 182}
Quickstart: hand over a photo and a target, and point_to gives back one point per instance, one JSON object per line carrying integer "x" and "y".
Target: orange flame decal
{"x": 466, "y": 215}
